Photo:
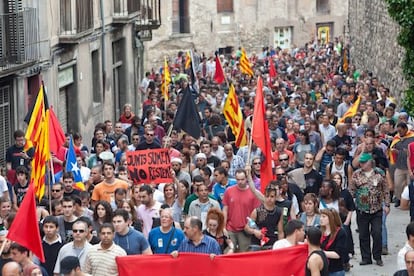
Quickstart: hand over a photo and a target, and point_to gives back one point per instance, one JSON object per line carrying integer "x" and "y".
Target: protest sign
{"x": 149, "y": 166}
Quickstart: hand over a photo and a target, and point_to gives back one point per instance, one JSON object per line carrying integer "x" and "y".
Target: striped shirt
{"x": 101, "y": 261}
{"x": 208, "y": 245}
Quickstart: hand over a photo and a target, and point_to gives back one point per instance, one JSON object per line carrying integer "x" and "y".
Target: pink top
{"x": 411, "y": 151}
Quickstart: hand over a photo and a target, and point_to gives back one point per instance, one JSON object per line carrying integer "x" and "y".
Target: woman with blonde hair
{"x": 215, "y": 229}
{"x": 333, "y": 241}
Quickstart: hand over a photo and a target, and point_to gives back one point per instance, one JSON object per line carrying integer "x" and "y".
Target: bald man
{"x": 12, "y": 269}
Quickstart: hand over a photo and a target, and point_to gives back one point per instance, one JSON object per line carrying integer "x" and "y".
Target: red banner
{"x": 149, "y": 166}
{"x": 287, "y": 261}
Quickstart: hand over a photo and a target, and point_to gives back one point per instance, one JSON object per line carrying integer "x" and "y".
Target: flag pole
{"x": 165, "y": 85}
{"x": 249, "y": 151}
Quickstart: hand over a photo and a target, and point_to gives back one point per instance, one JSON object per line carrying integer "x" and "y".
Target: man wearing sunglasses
{"x": 78, "y": 247}
{"x": 149, "y": 141}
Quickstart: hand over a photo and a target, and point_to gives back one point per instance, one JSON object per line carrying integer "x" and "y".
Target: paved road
{"x": 396, "y": 223}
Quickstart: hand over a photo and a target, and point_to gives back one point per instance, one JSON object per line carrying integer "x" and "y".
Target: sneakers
{"x": 397, "y": 203}
{"x": 384, "y": 251}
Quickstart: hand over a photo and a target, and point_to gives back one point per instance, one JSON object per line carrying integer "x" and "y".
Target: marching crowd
{"x": 329, "y": 163}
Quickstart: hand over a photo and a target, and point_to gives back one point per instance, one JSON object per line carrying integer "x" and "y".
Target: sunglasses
{"x": 281, "y": 175}
{"x": 149, "y": 134}
{"x": 256, "y": 163}
{"x": 57, "y": 191}
{"x": 78, "y": 230}
{"x": 285, "y": 159}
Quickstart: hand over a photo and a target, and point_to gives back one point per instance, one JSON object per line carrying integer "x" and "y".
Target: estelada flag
{"x": 38, "y": 133}
{"x": 72, "y": 166}
{"x": 219, "y": 74}
{"x": 25, "y": 228}
{"x": 234, "y": 117}
{"x": 261, "y": 136}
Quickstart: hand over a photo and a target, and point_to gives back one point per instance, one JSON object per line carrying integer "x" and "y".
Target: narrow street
{"x": 396, "y": 223}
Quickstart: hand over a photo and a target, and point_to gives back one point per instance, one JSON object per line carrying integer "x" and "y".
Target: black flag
{"x": 187, "y": 117}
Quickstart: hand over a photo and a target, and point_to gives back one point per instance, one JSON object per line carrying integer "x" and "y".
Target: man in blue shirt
{"x": 196, "y": 241}
{"x": 132, "y": 241}
{"x": 165, "y": 238}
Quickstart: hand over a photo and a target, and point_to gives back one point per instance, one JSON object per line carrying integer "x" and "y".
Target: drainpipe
{"x": 103, "y": 51}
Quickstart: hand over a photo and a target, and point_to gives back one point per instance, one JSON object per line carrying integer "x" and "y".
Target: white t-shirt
{"x": 283, "y": 243}
{"x": 3, "y": 185}
{"x": 405, "y": 193}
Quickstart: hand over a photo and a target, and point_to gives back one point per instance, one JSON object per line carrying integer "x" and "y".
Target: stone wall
{"x": 373, "y": 37}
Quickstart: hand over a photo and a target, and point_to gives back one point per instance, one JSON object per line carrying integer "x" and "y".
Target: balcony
{"x": 150, "y": 15}
{"x": 76, "y": 20}
{"x": 19, "y": 44}
{"x": 125, "y": 11}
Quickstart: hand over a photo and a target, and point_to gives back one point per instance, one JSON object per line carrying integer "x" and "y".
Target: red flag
{"x": 219, "y": 75}
{"x": 25, "y": 229}
{"x": 260, "y": 135}
{"x": 56, "y": 134}
{"x": 272, "y": 69}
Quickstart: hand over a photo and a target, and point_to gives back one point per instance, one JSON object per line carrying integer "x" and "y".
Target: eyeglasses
{"x": 78, "y": 230}
{"x": 256, "y": 163}
{"x": 57, "y": 191}
{"x": 149, "y": 134}
{"x": 284, "y": 159}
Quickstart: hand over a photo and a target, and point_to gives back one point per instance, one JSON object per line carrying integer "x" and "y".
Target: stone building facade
{"x": 225, "y": 24}
{"x": 86, "y": 52}
{"x": 373, "y": 37}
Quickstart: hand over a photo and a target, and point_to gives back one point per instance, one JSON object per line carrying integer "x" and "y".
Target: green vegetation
{"x": 402, "y": 11}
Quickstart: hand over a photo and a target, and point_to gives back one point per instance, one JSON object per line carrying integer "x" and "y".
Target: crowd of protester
{"x": 326, "y": 168}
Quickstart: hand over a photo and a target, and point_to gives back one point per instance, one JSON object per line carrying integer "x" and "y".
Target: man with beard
{"x": 149, "y": 208}
{"x": 179, "y": 174}
{"x": 307, "y": 178}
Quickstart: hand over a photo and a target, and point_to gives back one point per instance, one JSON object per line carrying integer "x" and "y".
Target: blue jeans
{"x": 384, "y": 230}
{"x": 337, "y": 273}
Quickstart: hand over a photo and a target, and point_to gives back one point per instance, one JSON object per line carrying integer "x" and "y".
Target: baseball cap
{"x": 68, "y": 264}
{"x": 365, "y": 157}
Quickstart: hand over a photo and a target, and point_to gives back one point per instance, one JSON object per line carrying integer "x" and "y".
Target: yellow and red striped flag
{"x": 351, "y": 111}
{"x": 38, "y": 133}
{"x": 245, "y": 64}
{"x": 187, "y": 60}
{"x": 166, "y": 80}
{"x": 234, "y": 117}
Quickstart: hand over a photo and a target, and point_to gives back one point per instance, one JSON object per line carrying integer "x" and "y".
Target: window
{"x": 322, "y": 6}
{"x": 282, "y": 37}
{"x": 96, "y": 80}
{"x": 224, "y": 6}
{"x": 5, "y": 120}
{"x": 180, "y": 16}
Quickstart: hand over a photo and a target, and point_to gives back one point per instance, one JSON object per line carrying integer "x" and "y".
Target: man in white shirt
{"x": 408, "y": 246}
{"x": 295, "y": 233}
